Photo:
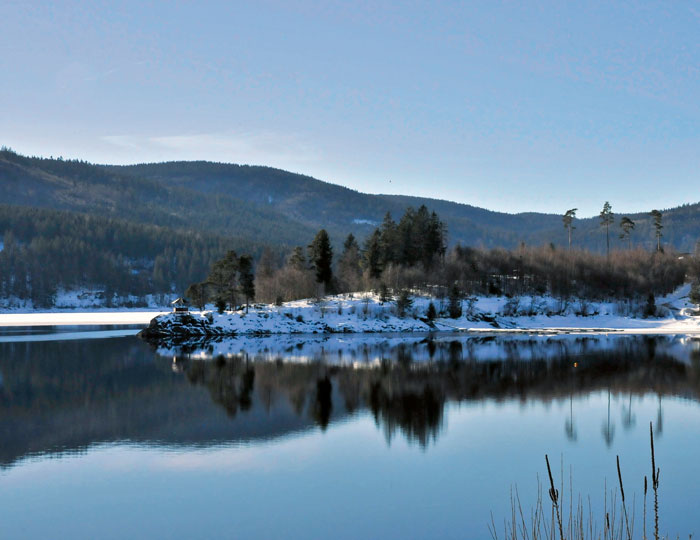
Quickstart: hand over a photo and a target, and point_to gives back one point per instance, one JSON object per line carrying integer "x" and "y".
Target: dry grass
{"x": 545, "y": 523}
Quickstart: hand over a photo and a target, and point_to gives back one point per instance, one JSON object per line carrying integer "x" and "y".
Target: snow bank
{"x": 365, "y": 313}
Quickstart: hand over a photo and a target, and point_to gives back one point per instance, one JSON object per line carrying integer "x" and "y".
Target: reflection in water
{"x": 628, "y": 417}
{"x": 65, "y": 396}
{"x": 608, "y": 427}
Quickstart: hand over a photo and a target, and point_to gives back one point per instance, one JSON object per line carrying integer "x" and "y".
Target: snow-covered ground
{"x": 365, "y": 313}
{"x": 75, "y": 318}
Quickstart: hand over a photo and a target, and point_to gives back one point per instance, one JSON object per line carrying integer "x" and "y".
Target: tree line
{"x": 607, "y": 220}
{"x": 44, "y": 250}
{"x": 412, "y": 254}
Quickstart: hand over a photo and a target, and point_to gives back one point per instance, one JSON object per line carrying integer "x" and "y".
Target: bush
{"x": 431, "y": 313}
{"x": 650, "y": 307}
{"x": 454, "y": 306}
{"x": 403, "y": 302}
{"x": 220, "y": 305}
{"x": 384, "y": 293}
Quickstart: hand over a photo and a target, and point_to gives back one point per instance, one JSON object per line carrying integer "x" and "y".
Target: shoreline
{"x": 78, "y": 318}
{"x": 366, "y": 313}
{"x": 116, "y": 318}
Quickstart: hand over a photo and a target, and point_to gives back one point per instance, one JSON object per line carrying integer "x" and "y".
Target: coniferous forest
{"x": 160, "y": 228}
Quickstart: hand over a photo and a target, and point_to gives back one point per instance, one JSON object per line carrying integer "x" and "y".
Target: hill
{"x": 316, "y": 204}
{"x": 155, "y": 227}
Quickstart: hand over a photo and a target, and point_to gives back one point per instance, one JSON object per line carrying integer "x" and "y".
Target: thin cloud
{"x": 252, "y": 147}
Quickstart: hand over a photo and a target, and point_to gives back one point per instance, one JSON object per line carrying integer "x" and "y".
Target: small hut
{"x": 180, "y": 305}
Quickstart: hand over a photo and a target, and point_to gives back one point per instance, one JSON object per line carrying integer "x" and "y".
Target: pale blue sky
{"x": 513, "y": 108}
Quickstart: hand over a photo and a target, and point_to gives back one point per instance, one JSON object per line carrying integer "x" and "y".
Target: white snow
{"x": 55, "y": 318}
{"x": 364, "y": 313}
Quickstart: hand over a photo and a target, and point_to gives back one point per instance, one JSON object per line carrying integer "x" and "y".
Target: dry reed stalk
{"x": 644, "y": 530}
{"x": 554, "y": 495}
{"x": 654, "y": 483}
{"x": 624, "y": 505}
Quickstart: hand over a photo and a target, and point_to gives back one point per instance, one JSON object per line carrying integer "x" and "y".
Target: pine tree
{"x": 349, "y": 270}
{"x": 568, "y": 220}
{"x": 607, "y": 218}
{"x": 321, "y": 255}
{"x": 372, "y": 257}
{"x": 246, "y": 279}
{"x": 223, "y": 278}
{"x": 454, "y": 306}
{"x": 656, "y": 216}
{"x": 388, "y": 241}
{"x": 197, "y": 294}
{"x": 627, "y": 226}
{"x": 431, "y": 314}
{"x": 403, "y": 302}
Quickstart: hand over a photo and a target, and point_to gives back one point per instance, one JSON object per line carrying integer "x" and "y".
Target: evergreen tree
{"x": 607, "y": 218}
{"x": 403, "y": 302}
{"x": 223, "y": 278}
{"x": 372, "y": 258}
{"x": 656, "y": 216}
{"x": 349, "y": 270}
{"x": 431, "y": 314}
{"x": 436, "y": 239}
{"x": 568, "y": 220}
{"x": 321, "y": 256}
{"x": 246, "y": 279}
{"x": 388, "y": 241}
{"x": 197, "y": 294}
{"x": 454, "y": 306}
{"x": 627, "y": 226}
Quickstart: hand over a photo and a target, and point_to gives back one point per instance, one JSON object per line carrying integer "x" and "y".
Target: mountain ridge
{"x": 270, "y": 205}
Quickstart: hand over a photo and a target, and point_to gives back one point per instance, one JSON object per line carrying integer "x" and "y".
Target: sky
{"x": 511, "y": 106}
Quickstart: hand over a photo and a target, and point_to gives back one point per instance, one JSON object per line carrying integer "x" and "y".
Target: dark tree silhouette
{"x": 321, "y": 255}
{"x": 627, "y": 226}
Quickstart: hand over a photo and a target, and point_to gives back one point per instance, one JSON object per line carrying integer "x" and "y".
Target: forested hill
{"x": 341, "y": 210}
{"x": 157, "y": 227}
{"x": 316, "y": 204}
{"x": 272, "y": 206}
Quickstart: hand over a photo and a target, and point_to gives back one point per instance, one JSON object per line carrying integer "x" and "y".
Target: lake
{"x": 103, "y": 435}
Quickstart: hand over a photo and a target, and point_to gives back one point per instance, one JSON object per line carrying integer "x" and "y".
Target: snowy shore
{"x": 365, "y": 313}
{"x": 79, "y": 318}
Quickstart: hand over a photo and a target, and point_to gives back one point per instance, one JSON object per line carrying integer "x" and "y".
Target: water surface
{"x": 103, "y": 435}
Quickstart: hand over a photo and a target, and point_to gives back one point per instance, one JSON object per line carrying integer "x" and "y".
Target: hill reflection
{"x": 66, "y": 396}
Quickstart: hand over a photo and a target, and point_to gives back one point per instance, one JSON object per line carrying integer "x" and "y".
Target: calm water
{"x": 105, "y": 436}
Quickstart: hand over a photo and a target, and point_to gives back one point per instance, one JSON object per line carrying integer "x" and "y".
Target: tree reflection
{"x": 608, "y": 427}
{"x": 53, "y": 399}
{"x": 323, "y": 404}
{"x": 628, "y": 417}
{"x": 569, "y": 426}
{"x": 408, "y": 396}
